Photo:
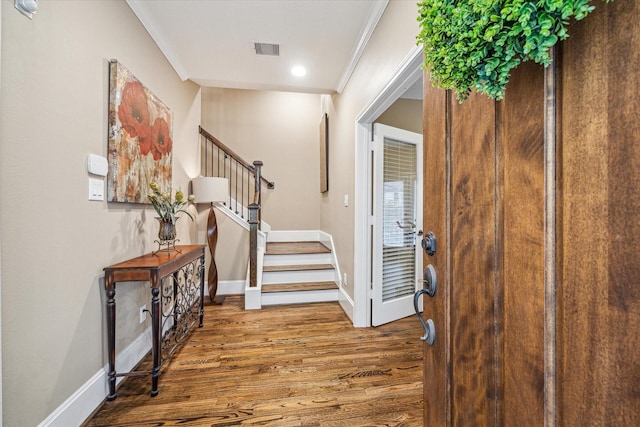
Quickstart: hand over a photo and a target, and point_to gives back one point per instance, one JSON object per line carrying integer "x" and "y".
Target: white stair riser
{"x": 272, "y": 277}
{"x": 294, "y": 236}
{"x": 279, "y": 298}
{"x": 297, "y": 259}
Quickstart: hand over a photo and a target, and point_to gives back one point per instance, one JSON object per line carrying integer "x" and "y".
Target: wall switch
{"x": 346, "y": 200}
{"x": 96, "y": 189}
{"x": 344, "y": 279}
{"x": 143, "y": 313}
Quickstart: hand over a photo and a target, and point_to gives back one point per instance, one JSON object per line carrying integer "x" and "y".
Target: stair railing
{"x": 245, "y": 188}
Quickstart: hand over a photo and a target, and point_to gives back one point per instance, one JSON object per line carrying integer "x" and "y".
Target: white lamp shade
{"x": 207, "y": 189}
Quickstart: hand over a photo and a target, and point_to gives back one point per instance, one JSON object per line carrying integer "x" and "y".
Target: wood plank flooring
{"x": 303, "y": 365}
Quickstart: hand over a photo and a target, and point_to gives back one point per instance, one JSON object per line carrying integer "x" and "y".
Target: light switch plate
{"x": 96, "y": 189}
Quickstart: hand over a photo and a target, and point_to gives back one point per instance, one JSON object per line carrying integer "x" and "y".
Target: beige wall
{"x": 282, "y": 130}
{"x": 55, "y": 242}
{"x": 391, "y": 42}
{"x": 403, "y": 114}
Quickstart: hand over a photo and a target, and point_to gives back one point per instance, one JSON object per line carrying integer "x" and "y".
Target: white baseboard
{"x": 230, "y": 287}
{"x": 347, "y": 304}
{"x": 77, "y": 408}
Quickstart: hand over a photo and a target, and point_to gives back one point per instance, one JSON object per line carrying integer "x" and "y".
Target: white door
{"x": 397, "y": 212}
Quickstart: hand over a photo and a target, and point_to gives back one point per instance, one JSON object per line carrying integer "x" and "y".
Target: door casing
{"x": 408, "y": 73}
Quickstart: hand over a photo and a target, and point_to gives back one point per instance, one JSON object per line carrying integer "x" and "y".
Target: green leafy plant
{"x": 166, "y": 207}
{"x": 474, "y": 44}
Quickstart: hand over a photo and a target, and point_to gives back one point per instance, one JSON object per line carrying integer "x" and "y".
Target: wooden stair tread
{"x": 292, "y": 287}
{"x": 293, "y": 248}
{"x": 268, "y": 268}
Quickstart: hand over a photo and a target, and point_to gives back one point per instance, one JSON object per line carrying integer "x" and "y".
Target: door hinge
{"x": 372, "y": 145}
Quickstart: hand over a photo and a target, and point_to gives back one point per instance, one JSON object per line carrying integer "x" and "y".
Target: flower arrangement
{"x": 166, "y": 207}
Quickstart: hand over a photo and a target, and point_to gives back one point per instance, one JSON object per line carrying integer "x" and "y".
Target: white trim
{"x": 361, "y": 261}
{"x": 347, "y": 304}
{"x": 230, "y": 287}
{"x": 77, "y": 408}
{"x": 327, "y": 240}
{"x": 242, "y": 222}
{"x": 295, "y": 236}
{"x": 141, "y": 10}
{"x": 253, "y": 295}
{"x": 408, "y": 72}
{"x": 1, "y": 399}
{"x": 298, "y": 259}
{"x": 405, "y": 76}
{"x": 375, "y": 13}
{"x": 299, "y": 297}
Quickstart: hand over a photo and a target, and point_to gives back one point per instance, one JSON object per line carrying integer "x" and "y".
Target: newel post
{"x": 258, "y": 186}
{"x": 254, "y": 209}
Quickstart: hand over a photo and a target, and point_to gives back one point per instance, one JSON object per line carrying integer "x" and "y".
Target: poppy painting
{"x": 140, "y": 138}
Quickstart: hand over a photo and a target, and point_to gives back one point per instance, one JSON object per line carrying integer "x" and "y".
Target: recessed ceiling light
{"x": 298, "y": 71}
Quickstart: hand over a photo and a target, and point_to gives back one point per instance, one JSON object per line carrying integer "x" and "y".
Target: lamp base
{"x": 212, "y": 238}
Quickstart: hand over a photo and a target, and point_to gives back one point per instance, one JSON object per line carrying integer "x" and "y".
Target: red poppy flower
{"x": 133, "y": 113}
{"x": 160, "y": 139}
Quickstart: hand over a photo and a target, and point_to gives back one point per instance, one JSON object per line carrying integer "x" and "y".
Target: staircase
{"x": 298, "y": 272}
{"x": 297, "y": 267}
{"x": 285, "y": 267}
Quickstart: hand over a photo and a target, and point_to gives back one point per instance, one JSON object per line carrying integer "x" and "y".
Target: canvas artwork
{"x": 140, "y": 139}
{"x": 324, "y": 153}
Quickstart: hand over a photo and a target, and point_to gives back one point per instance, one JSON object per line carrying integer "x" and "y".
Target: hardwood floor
{"x": 287, "y": 248}
{"x": 280, "y": 366}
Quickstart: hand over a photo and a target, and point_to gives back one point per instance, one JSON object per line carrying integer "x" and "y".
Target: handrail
{"x": 234, "y": 156}
{"x": 215, "y": 152}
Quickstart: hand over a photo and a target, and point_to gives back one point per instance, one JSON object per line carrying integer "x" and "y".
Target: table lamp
{"x": 211, "y": 190}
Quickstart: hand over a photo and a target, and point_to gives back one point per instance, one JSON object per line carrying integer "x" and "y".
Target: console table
{"x": 176, "y": 280}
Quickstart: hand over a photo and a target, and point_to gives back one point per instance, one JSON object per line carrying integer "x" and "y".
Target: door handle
{"x": 429, "y": 280}
{"x": 429, "y": 327}
{"x": 406, "y": 225}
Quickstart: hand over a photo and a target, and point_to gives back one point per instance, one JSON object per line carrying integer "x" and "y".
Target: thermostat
{"x": 97, "y": 165}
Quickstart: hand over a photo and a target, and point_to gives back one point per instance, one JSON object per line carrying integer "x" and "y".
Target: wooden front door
{"x": 484, "y": 202}
{"x": 530, "y": 330}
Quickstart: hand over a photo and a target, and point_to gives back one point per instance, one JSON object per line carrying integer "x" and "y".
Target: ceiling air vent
{"x": 269, "y": 49}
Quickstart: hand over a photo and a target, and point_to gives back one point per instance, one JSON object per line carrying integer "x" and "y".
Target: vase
{"x": 167, "y": 230}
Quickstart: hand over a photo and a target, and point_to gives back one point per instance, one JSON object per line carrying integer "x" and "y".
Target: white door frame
{"x": 407, "y": 74}
{"x": 397, "y": 307}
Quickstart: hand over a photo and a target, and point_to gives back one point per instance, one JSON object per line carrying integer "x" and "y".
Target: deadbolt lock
{"x": 429, "y": 243}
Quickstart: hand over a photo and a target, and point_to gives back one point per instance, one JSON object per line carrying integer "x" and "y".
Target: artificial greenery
{"x": 166, "y": 207}
{"x": 474, "y": 44}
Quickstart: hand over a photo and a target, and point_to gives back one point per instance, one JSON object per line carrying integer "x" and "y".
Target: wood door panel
{"x": 436, "y": 372}
{"x": 472, "y": 260}
{"x": 488, "y": 198}
{"x": 599, "y": 371}
{"x": 520, "y": 265}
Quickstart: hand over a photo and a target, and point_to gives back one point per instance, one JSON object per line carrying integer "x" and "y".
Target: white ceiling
{"x": 211, "y": 41}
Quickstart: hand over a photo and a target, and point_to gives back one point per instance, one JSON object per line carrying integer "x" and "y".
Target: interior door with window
{"x": 397, "y": 212}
